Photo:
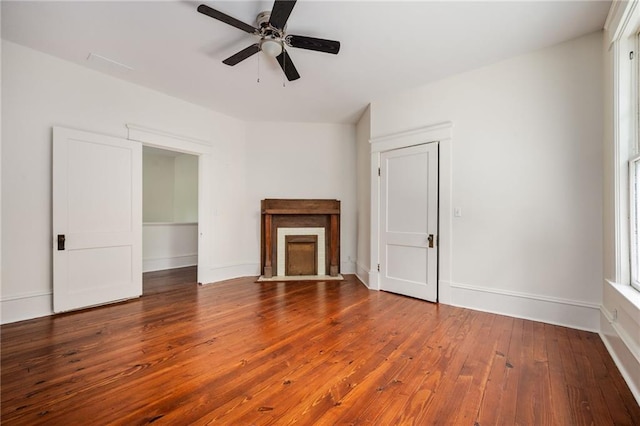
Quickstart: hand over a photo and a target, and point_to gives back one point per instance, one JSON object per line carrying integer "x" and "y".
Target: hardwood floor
{"x": 243, "y": 353}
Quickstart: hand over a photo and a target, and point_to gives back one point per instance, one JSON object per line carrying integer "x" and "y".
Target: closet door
{"x": 409, "y": 221}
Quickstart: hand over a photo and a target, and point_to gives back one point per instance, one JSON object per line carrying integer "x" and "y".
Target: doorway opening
{"x": 170, "y": 216}
{"x": 202, "y": 150}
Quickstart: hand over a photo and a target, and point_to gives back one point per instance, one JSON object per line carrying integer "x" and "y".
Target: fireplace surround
{"x": 299, "y": 219}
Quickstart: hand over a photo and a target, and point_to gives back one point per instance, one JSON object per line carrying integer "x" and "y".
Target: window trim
{"x": 634, "y": 163}
{"x": 634, "y": 221}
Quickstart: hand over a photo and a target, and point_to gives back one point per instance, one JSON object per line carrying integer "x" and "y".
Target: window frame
{"x": 634, "y": 225}
{"x": 633, "y": 47}
{"x": 621, "y": 37}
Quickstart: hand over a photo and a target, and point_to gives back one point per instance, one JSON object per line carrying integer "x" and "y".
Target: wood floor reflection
{"x": 324, "y": 353}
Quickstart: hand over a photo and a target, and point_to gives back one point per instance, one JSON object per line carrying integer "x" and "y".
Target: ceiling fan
{"x": 271, "y": 28}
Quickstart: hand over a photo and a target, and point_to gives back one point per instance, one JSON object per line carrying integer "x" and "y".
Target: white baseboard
{"x": 362, "y": 272}
{"x": 620, "y": 346}
{"x": 24, "y": 307}
{"x": 227, "y": 272}
{"x": 551, "y": 310}
{"x": 163, "y": 263}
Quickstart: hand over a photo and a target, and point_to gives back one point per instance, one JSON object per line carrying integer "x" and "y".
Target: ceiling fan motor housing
{"x": 262, "y": 21}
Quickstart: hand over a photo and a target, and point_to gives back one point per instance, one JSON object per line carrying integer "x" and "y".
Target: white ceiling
{"x": 386, "y": 46}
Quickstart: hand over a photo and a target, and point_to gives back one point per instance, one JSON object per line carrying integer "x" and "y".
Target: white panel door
{"x": 97, "y": 219}
{"x": 409, "y": 221}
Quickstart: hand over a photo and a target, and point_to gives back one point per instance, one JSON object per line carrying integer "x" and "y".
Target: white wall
{"x": 158, "y": 181}
{"x": 170, "y": 210}
{"x": 299, "y": 160}
{"x": 363, "y": 167}
{"x": 169, "y": 245}
{"x": 170, "y": 187}
{"x": 185, "y": 188}
{"x": 40, "y": 91}
{"x": 527, "y": 175}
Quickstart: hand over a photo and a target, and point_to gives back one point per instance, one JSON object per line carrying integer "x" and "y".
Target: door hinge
{"x": 378, "y": 171}
{"x": 378, "y": 267}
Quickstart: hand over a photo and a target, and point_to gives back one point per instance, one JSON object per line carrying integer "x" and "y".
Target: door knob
{"x": 61, "y": 239}
{"x": 430, "y": 240}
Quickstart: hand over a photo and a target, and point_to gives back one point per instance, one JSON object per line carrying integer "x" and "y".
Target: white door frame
{"x": 440, "y": 132}
{"x": 159, "y": 139}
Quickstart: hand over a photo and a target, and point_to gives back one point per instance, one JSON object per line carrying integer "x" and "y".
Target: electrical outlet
{"x": 615, "y": 315}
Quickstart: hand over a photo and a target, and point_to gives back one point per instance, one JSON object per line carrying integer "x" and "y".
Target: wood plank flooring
{"x": 310, "y": 353}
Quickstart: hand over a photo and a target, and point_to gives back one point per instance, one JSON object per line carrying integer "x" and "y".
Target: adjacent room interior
{"x": 169, "y": 210}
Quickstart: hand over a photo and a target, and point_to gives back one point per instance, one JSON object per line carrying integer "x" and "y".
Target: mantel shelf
{"x": 301, "y": 211}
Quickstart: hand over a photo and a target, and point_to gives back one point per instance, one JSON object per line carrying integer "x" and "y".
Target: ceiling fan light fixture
{"x": 271, "y": 47}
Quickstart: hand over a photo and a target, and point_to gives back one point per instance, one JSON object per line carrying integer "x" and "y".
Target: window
{"x": 634, "y": 163}
{"x": 622, "y": 38}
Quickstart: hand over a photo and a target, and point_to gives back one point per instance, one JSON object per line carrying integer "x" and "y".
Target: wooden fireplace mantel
{"x": 278, "y": 213}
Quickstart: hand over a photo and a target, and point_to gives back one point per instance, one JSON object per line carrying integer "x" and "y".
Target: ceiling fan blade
{"x": 311, "y": 43}
{"x": 215, "y": 14}
{"x": 280, "y": 13}
{"x": 287, "y": 66}
{"x": 242, "y": 55}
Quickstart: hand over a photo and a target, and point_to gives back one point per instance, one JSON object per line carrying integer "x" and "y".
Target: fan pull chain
{"x": 284, "y": 69}
{"x": 258, "y": 81}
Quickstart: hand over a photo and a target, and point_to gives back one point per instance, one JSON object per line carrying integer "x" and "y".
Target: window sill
{"x": 627, "y": 292}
